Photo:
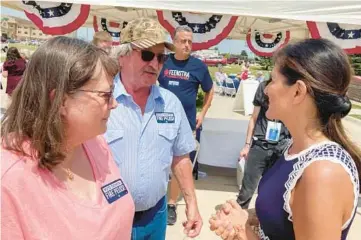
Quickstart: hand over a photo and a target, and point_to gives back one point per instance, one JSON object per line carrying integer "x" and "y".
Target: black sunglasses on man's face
{"x": 148, "y": 56}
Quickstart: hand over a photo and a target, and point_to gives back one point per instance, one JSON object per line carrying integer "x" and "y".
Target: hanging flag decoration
{"x": 56, "y": 18}
{"x": 265, "y": 44}
{"x": 208, "y": 29}
{"x": 113, "y": 28}
{"x": 348, "y": 37}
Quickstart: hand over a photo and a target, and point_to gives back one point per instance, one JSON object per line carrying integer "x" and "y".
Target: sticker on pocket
{"x": 165, "y": 117}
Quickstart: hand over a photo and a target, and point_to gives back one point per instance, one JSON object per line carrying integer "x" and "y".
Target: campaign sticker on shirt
{"x": 165, "y": 117}
{"x": 114, "y": 190}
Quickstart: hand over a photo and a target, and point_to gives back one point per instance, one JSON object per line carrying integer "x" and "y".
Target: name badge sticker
{"x": 114, "y": 190}
{"x": 273, "y": 131}
{"x": 173, "y": 83}
{"x": 165, "y": 117}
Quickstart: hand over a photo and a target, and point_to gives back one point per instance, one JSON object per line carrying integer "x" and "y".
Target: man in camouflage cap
{"x": 149, "y": 133}
{"x": 145, "y": 33}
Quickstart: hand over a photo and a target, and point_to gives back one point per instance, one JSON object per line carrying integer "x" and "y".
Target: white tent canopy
{"x": 265, "y": 16}
{"x": 266, "y": 25}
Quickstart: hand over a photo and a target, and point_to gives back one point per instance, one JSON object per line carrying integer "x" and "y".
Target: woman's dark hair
{"x": 325, "y": 69}
{"x": 62, "y": 65}
{"x": 12, "y": 54}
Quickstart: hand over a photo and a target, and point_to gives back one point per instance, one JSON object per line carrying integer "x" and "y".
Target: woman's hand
{"x": 230, "y": 221}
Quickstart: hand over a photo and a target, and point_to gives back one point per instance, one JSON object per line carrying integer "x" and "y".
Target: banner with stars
{"x": 113, "y": 28}
{"x": 348, "y": 37}
{"x": 265, "y": 44}
{"x": 208, "y": 29}
{"x": 56, "y": 18}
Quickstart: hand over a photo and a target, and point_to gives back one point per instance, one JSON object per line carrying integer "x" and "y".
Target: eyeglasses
{"x": 106, "y": 95}
{"x": 148, "y": 56}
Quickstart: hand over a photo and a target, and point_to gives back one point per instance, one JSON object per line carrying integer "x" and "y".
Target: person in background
{"x": 182, "y": 74}
{"x": 103, "y": 40}
{"x": 259, "y": 76}
{"x": 13, "y": 69}
{"x": 312, "y": 191}
{"x": 154, "y": 136}
{"x": 244, "y": 75}
{"x": 58, "y": 176}
{"x": 261, "y": 149}
{"x": 1, "y": 80}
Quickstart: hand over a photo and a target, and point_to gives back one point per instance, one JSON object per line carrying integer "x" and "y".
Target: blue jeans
{"x": 153, "y": 229}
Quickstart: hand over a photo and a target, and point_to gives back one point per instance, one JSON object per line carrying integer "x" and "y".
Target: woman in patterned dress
{"x": 311, "y": 192}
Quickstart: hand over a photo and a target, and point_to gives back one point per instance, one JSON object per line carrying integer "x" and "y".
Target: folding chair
{"x": 220, "y": 78}
{"x": 230, "y": 89}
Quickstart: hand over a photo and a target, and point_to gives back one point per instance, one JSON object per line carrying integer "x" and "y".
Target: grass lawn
{"x": 356, "y": 116}
{"x": 23, "y": 46}
{"x": 233, "y": 68}
{"x": 19, "y": 46}
{"x": 356, "y": 106}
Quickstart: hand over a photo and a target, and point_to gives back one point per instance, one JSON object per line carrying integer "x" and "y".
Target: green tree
{"x": 244, "y": 55}
{"x": 356, "y": 63}
{"x": 265, "y": 62}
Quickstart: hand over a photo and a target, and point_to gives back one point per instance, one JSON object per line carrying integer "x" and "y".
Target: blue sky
{"x": 226, "y": 46}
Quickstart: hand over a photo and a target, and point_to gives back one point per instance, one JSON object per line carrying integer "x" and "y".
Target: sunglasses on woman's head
{"x": 148, "y": 56}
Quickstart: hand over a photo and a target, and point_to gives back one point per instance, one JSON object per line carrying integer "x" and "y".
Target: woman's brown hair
{"x": 12, "y": 54}
{"x": 61, "y": 65}
{"x": 326, "y": 71}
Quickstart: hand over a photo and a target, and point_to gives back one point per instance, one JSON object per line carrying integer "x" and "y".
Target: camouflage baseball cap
{"x": 145, "y": 33}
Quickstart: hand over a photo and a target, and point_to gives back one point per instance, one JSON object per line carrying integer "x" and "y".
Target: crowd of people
{"x": 94, "y": 134}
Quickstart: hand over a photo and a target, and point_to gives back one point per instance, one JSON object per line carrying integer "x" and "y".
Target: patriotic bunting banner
{"x": 208, "y": 29}
{"x": 348, "y": 37}
{"x": 265, "y": 44}
{"x": 56, "y": 18}
{"x": 113, "y": 28}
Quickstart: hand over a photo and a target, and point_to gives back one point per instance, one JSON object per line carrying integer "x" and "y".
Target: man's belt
{"x": 263, "y": 143}
{"x": 142, "y": 218}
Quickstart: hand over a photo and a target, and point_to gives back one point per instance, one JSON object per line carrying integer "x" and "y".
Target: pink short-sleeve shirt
{"x": 35, "y": 205}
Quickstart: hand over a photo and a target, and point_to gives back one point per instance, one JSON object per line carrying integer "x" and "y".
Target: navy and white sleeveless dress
{"x": 274, "y": 191}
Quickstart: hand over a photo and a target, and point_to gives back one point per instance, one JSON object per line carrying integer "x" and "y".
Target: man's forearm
{"x": 182, "y": 170}
{"x": 250, "y": 130}
{"x": 207, "y": 101}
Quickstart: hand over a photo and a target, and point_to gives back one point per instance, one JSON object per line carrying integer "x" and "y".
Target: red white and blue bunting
{"x": 56, "y": 18}
{"x": 265, "y": 44}
{"x": 208, "y": 29}
{"x": 348, "y": 37}
{"x": 113, "y": 28}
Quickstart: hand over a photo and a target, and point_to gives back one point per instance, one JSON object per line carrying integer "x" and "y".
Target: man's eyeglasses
{"x": 148, "y": 56}
{"x": 106, "y": 95}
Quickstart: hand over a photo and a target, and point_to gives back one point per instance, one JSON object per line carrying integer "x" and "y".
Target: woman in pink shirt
{"x": 58, "y": 177}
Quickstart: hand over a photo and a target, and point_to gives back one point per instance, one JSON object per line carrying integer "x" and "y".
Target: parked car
{"x": 234, "y": 60}
{"x": 215, "y": 61}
